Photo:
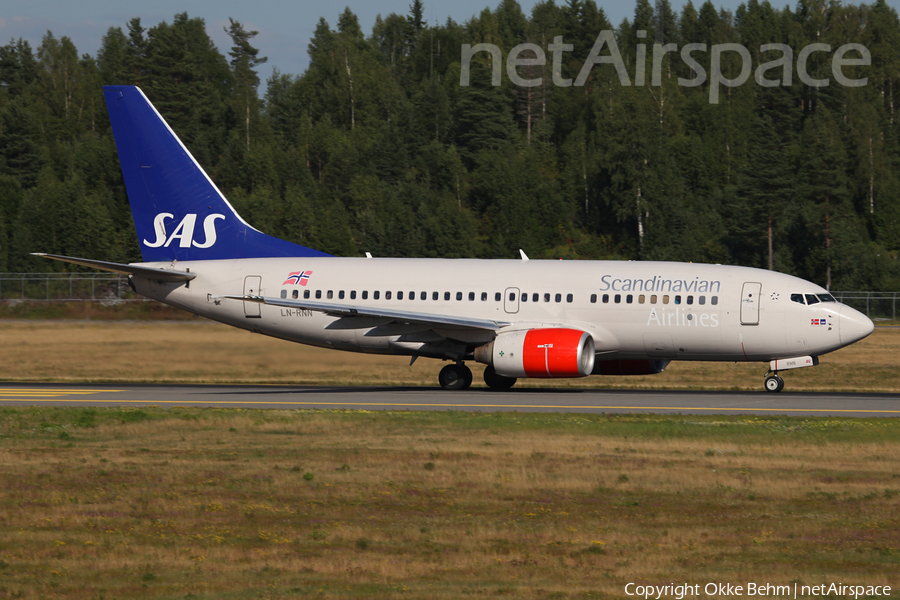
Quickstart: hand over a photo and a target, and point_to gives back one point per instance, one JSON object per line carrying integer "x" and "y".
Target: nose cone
{"x": 854, "y": 325}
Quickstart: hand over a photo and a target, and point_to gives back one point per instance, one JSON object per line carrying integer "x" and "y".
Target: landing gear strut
{"x": 774, "y": 383}
{"x": 455, "y": 377}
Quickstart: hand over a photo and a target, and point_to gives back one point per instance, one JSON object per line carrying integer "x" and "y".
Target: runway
{"x": 477, "y": 399}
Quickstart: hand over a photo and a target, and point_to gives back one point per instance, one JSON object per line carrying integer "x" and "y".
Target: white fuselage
{"x": 632, "y": 309}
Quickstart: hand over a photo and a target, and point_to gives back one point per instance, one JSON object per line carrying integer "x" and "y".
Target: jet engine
{"x": 552, "y": 352}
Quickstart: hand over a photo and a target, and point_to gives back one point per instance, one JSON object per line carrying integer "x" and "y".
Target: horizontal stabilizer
{"x": 148, "y": 272}
{"x": 345, "y": 310}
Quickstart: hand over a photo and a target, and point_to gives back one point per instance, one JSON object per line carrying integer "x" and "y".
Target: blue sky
{"x": 284, "y": 26}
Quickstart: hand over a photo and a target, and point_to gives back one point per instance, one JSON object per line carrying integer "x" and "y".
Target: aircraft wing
{"x": 149, "y": 272}
{"x": 405, "y": 316}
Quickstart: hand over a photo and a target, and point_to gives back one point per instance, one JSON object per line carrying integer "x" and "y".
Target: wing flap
{"x": 346, "y": 310}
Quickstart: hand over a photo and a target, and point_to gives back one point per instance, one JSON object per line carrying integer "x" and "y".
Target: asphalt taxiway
{"x": 476, "y": 399}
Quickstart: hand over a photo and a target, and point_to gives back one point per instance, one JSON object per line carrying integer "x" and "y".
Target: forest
{"x": 377, "y": 147}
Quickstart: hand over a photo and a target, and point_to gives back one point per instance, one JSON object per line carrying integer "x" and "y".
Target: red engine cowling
{"x": 630, "y": 367}
{"x": 540, "y": 353}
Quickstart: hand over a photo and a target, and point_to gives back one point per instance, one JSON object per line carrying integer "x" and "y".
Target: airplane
{"x": 521, "y": 318}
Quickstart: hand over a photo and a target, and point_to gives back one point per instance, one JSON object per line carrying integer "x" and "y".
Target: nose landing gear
{"x": 774, "y": 383}
{"x": 455, "y": 377}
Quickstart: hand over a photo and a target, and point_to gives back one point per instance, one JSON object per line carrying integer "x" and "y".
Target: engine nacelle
{"x": 540, "y": 353}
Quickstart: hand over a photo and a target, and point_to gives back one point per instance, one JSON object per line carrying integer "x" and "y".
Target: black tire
{"x": 467, "y": 376}
{"x": 497, "y": 382}
{"x": 453, "y": 377}
{"x": 774, "y": 383}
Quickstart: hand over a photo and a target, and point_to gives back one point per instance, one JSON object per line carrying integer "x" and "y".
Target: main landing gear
{"x": 459, "y": 377}
{"x": 455, "y": 377}
{"x": 774, "y": 383}
{"x": 497, "y": 382}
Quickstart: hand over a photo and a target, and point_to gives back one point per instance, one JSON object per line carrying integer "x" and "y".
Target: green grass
{"x": 229, "y": 503}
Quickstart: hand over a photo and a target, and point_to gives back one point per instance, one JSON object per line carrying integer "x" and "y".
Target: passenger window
{"x": 628, "y": 299}
{"x": 797, "y": 298}
{"x": 524, "y": 297}
{"x": 702, "y": 300}
{"x": 423, "y": 296}
{"x": 811, "y": 299}
{"x": 497, "y": 296}
{"x": 512, "y": 297}
{"x": 341, "y": 294}
{"x": 484, "y": 296}
{"x": 284, "y": 293}
{"x": 435, "y": 295}
{"x": 546, "y": 297}
{"x": 458, "y": 296}
{"x": 471, "y": 296}
{"x": 593, "y": 298}
{"x": 306, "y": 294}
{"x": 330, "y": 295}
{"x": 399, "y": 296}
{"x": 558, "y": 298}
{"x": 677, "y": 299}
{"x": 690, "y": 299}
{"x": 318, "y": 294}
{"x": 665, "y": 299}
{"x": 618, "y": 298}
{"x": 605, "y": 298}
{"x": 446, "y": 295}
{"x": 412, "y": 295}
{"x": 295, "y": 294}
{"x": 535, "y": 297}
{"x": 365, "y": 295}
{"x": 641, "y": 299}
{"x": 569, "y": 297}
{"x": 375, "y": 295}
{"x": 653, "y": 299}
{"x": 353, "y": 294}
{"x": 714, "y": 300}
{"x": 387, "y": 295}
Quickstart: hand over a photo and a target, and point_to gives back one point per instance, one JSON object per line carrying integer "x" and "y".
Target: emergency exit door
{"x": 750, "y": 303}
{"x": 511, "y": 300}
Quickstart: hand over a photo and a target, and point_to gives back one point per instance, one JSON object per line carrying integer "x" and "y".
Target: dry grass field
{"x": 210, "y": 503}
{"x": 201, "y": 351}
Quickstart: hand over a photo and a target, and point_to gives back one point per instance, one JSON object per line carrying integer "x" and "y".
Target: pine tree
{"x": 244, "y": 60}
{"x": 112, "y": 58}
{"x": 18, "y": 67}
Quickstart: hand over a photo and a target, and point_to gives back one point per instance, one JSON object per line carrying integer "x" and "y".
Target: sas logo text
{"x": 184, "y": 232}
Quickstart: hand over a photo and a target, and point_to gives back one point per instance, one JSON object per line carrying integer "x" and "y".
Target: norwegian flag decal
{"x": 301, "y": 277}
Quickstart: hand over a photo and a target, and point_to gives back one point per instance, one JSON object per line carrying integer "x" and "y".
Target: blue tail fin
{"x": 178, "y": 211}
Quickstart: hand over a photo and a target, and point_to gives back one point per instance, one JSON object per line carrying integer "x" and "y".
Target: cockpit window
{"x": 797, "y": 298}
{"x": 826, "y": 298}
{"x": 811, "y": 299}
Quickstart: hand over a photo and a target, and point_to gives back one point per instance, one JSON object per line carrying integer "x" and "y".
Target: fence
{"x": 111, "y": 288}
{"x": 879, "y": 306}
{"x": 106, "y": 288}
